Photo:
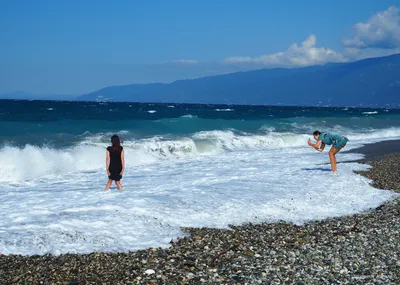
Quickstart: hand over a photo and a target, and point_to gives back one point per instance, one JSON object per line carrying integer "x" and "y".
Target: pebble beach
{"x": 357, "y": 249}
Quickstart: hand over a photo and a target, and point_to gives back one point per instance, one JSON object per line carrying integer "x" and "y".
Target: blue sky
{"x": 75, "y": 47}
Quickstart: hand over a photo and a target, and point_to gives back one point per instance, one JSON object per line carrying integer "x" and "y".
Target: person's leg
{"x": 108, "y": 185}
{"x": 118, "y": 183}
{"x": 332, "y": 157}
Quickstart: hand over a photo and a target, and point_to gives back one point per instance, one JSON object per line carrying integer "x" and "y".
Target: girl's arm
{"x": 321, "y": 148}
{"x": 107, "y": 162}
{"x": 123, "y": 162}
{"x": 314, "y": 145}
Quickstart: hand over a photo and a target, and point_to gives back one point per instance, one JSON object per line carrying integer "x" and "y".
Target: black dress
{"x": 115, "y": 166}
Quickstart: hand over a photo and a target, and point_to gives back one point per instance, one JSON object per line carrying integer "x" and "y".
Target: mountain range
{"x": 373, "y": 82}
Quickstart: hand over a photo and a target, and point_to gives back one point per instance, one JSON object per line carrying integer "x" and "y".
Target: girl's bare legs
{"x": 108, "y": 185}
{"x": 332, "y": 157}
{"x": 118, "y": 183}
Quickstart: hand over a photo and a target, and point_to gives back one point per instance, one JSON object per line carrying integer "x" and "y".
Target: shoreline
{"x": 376, "y": 151}
{"x": 358, "y": 249}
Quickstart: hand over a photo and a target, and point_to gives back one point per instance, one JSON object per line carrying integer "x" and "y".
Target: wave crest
{"x": 30, "y": 162}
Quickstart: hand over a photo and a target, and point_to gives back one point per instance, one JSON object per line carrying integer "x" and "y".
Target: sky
{"x": 75, "y": 47}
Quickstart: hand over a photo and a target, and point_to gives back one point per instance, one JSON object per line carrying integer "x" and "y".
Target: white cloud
{"x": 185, "y": 61}
{"x": 379, "y": 36}
{"x": 358, "y": 54}
{"x": 382, "y": 30}
{"x": 304, "y": 55}
{"x": 188, "y": 62}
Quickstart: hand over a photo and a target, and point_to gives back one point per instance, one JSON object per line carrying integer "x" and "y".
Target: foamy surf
{"x": 69, "y": 212}
{"x": 74, "y": 214}
{"x": 33, "y": 162}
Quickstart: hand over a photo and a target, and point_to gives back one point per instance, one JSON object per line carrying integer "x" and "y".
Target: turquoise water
{"x": 63, "y": 124}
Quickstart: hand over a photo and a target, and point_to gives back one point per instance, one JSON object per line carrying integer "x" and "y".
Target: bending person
{"x": 337, "y": 141}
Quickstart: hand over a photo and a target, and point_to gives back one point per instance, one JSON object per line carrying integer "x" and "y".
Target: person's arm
{"x": 108, "y": 162}
{"x": 322, "y": 147}
{"x": 123, "y": 162}
{"x": 315, "y": 145}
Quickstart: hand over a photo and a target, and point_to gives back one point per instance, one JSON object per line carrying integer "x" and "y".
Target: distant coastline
{"x": 366, "y": 108}
{"x": 366, "y": 83}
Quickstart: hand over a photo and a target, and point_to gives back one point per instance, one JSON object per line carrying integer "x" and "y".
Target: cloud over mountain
{"x": 381, "y": 31}
{"x": 296, "y": 55}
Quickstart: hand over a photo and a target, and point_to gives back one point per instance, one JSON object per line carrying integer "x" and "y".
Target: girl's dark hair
{"x": 116, "y": 143}
{"x": 316, "y": 133}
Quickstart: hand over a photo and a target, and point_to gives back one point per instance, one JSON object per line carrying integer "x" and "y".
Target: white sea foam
{"x": 189, "y": 116}
{"x": 370, "y": 113}
{"x": 30, "y": 162}
{"x": 53, "y": 200}
{"x": 224, "y": 110}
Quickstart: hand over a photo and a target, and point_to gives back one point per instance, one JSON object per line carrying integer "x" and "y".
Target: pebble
{"x": 149, "y": 271}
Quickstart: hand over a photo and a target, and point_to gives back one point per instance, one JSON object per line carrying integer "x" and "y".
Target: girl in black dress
{"x": 115, "y": 162}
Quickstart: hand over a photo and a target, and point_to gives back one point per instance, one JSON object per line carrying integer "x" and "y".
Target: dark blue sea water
{"x": 62, "y": 124}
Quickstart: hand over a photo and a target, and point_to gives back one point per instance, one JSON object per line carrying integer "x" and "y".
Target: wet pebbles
{"x": 357, "y": 249}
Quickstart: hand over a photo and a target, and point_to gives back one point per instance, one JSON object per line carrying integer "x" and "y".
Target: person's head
{"x": 115, "y": 141}
{"x": 316, "y": 135}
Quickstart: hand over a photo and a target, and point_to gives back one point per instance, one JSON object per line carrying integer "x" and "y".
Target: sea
{"x": 186, "y": 166}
